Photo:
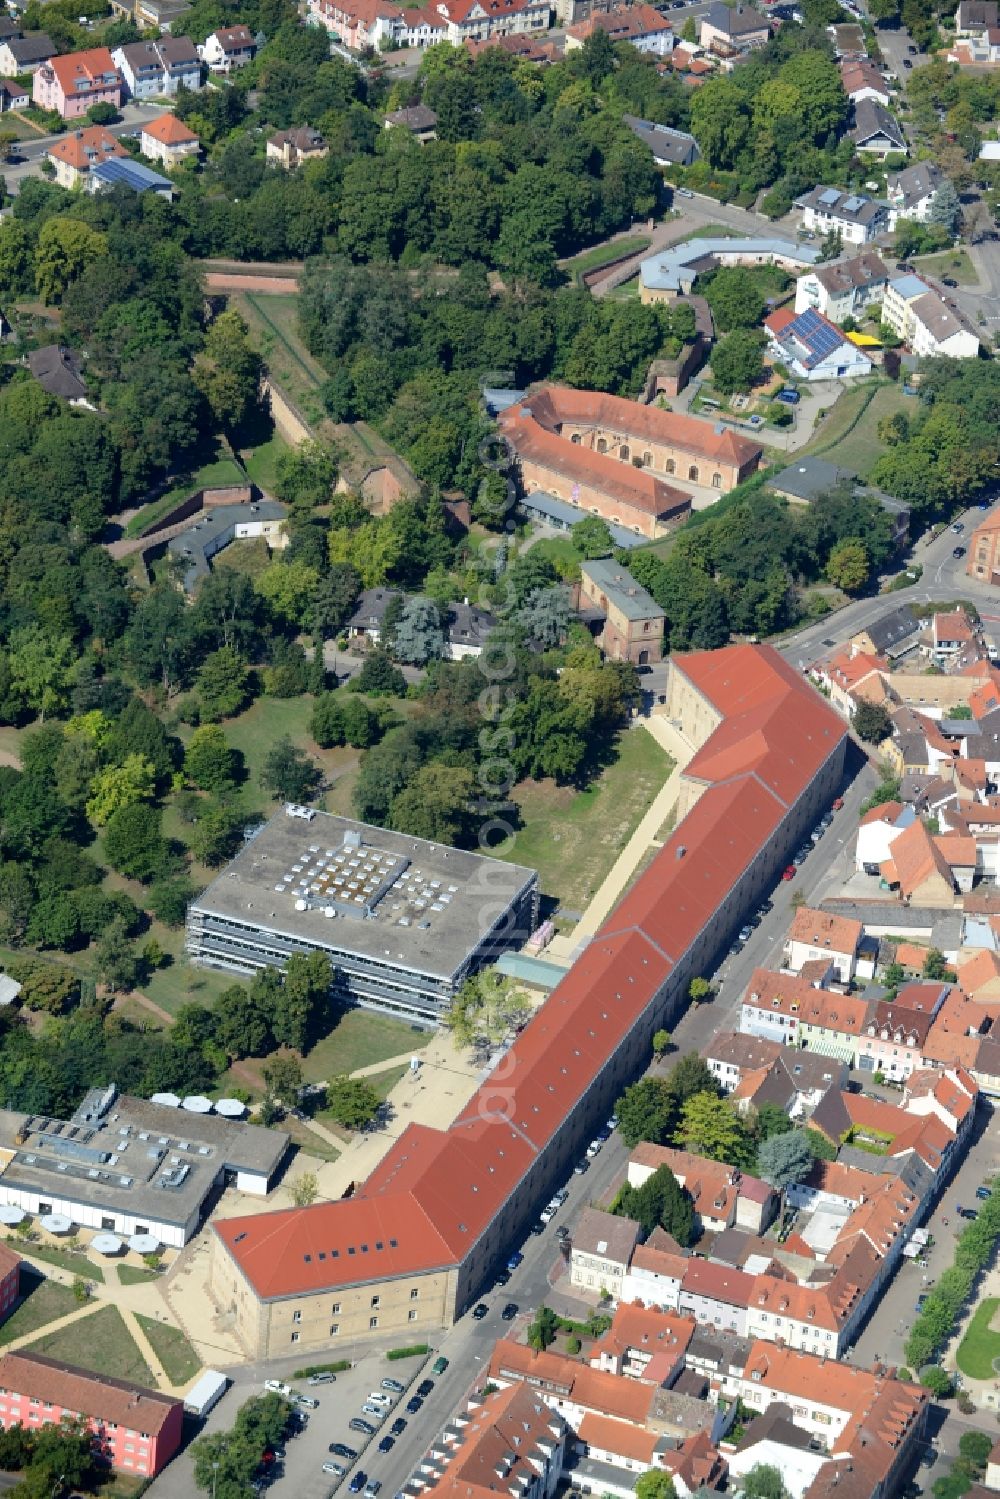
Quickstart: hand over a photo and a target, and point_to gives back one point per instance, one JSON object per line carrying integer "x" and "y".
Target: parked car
{"x": 424, "y": 1388}
{"x": 395, "y": 1385}
{"x": 744, "y": 934}
{"x": 372, "y": 1487}
{"x": 958, "y": 528}
{"x": 983, "y": 1193}
{"x": 509, "y": 1312}
{"x": 581, "y": 1167}
{"x": 958, "y": 552}
{"x": 414, "y": 1404}
{"x": 341, "y": 1449}
{"x": 593, "y": 1149}
{"x": 948, "y": 281}
{"x": 480, "y": 1311}
{"x": 789, "y": 395}
{"x": 323, "y": 1378}
{"x": 907, "y": 63}
{"x": 336, "y": 1470}
{"x": 502, "y": 1278}
{"x": 358, "y": 1423}
{"x": 309, "y": 1401}
{"x": 562, "y": 1232}
{"x": 378, "y": 1398}
{"x": 439, "y": 1365}
{"x": 515, "y": 1260}
{"x": 387, "y": 1444}
{"x": 375, "y": 1411}
{"x": 398, "y": 1427}
{"x": 358, "y": 1481}
{"x": 683, "y": 192}
{"x": 911, "y": 49}
{"x": 789, "y": 873}
{"x": 537, "y": 1228}
{"x": 277, "y": 1388}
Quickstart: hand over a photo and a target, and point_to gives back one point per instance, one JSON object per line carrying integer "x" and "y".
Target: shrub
{"x": 417, "y": 1351}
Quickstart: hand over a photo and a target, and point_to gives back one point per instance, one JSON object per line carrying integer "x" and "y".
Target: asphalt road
{"x": 31, "y": 152}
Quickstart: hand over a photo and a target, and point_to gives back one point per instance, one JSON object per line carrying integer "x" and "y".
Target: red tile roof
{"x": 95, "y": 1395}
{"x": 718, "y": 1282}
{"x": 436, "y": 1194}
{"x": 556, "y": 405}
{"x": 86, "y": 68}
{"x": 85, "y": 148}
{"x": 169, "y": 130}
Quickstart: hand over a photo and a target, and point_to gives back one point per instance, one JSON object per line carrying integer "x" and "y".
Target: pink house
{"x": 71, "y": 84}
{"x": 135, "y": 1430}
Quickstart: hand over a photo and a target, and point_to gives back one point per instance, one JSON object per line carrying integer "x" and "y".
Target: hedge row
{"x": 417, "y": 1351}
{"x": 339, "y": 1367}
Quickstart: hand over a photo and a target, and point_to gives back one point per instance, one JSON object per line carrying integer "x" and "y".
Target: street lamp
{"x": 215, "y": 1475}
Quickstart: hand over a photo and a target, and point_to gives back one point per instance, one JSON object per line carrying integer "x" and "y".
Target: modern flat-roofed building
{"x": 404, "y": 922}
{"x": 133, "y": 1166}
{"x": 134, "y": 1430}
{"x": 419, "y": 1239}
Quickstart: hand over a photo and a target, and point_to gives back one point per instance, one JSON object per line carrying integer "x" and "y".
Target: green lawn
{"x": 849, "y": 436}
{"x": 593, "y": 259}
{"x": 100, "y": 1342}
{"x": 628, "y": 291}
{"x": 261, "y": 463}
{"x": 218, "y": 469}
{"x": 573, "y": 837}
{"x": 179, "y": 1360}
{"x": 981, "y": 1345}
{"x": 560, "y": 551}
{"x": 250, "y": 557}
{"x": 384, "y": 1082}
{"x": 361, "y": 1039}
{"x": 44, "y": 1301}
{"x": 953, "y": 263}
{"x": 76, "y": 1264}
{"x": 136, "y": 1275}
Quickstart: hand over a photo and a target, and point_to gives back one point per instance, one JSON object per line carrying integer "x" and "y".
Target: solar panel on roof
{"x": 853, "y": 204}
{"x": 829, "y": 196}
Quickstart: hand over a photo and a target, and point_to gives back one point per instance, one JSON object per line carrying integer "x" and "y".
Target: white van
{"x": 277, "y": 1388}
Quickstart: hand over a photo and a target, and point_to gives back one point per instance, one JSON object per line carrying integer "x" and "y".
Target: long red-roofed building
{"x": 433, "y": 1223}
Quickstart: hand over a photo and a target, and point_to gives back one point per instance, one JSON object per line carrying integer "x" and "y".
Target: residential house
{"x": 601, "y": 1250}
{"x": 950, "y": 1095}
{"x": 984, "y": 549}
{"x": 655, "y": 1271}
{"x": 792, "y": 1011}
{"x": 24, "y": 54}
{"x": 74, "y": 155}
{"x": 644, "y": 1343}
{"x": 13, "y": 95}
{"x": 135, "y": 1430}
{"x": 152, "y": 70}
{"x": 857, "y": 219}
{"x": 812, "y": 347}
{"x": 912, "y": 191}
{"x": 977, "y": 51}
{"x": 59, "y": 371}
{"x": 168, "y": 140}
{"x": 894, "y": 634}
{"x": 639, "y": 24}
{"x": 363, "y": 24}
{"x": 850, "y": 677}
{"x": 878, "y": 828}
{"x": 122, "y": 171}
{"x": 732, "y": 31}
{"x": 9, "y": 28}
{"x": 506, "y": 1442}
{"x": 730, "y": 1056}
{"x": 226, "y": 48}
{"x": 670, "y": 148}
{"x": 975, "y": 16}
{"x": 845, "y": 289}
{"x": 918, "y": 869}
{"x": 722, "y": 1196}
{"x": 950, "y": 634}
{"x": 926, "y": 321}
{"x": 875, "y": 132}
{"x": 72, "y": 84}
{"x": 633, "y": 620}
{"x": 818, "y": 934}
{"x": 862, "y": 80}
{"x": 466, "y": 631}
{"x": 158, "y": 15}
{"x": 418, "y": 119}
{"x": 290, "y": 148}
{"x": 481, "y": 20}
{"x": 716, "y": 1295}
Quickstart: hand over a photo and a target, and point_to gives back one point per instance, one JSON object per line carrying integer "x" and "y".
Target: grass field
{"x": 261, "y": 462}
{"x": 599, "y": 255}
{"x": 179, "y": 1360}
{"x": 218, "y": 469}
{"x": 136, "y": 1275}
{"x": 981, "y": 1345}
{"x": 573, "y": 837}
{"x": 560, "y": 551}
{"x": 273, "y": 321}
{"x": 45, "y": 1301}
{"x": 100, "y": 1342}
{"x": 627, "y": 292}
{"x": 361, "y": 1039}
{"x": 249, "y": 557}
{"x": 849, "y": 435}
{"x": 953, "y": 263}
{"x": 65, "y": 1259}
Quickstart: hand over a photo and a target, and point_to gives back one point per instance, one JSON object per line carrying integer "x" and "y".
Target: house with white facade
{"x": 922, "y": 318}
{"x": 875, "y": 131}
{"x": 911, "y": 192}
{"x": 847, "y": 288}
{"x": 818, "y": 934}
{"x": 157, "y": 69}
{"x": 857, "y": 219}
{"x": 228, "y": 47}
{"x": 812, "y": 347}
{"x": 602, "y": 1248}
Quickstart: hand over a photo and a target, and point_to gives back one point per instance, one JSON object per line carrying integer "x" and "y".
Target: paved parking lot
{"x": 300, "y": 1475}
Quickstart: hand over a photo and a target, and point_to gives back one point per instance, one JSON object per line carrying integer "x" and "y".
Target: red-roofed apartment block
{"x": 420, "y": 1238}
{"x": 71, "y": 84}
